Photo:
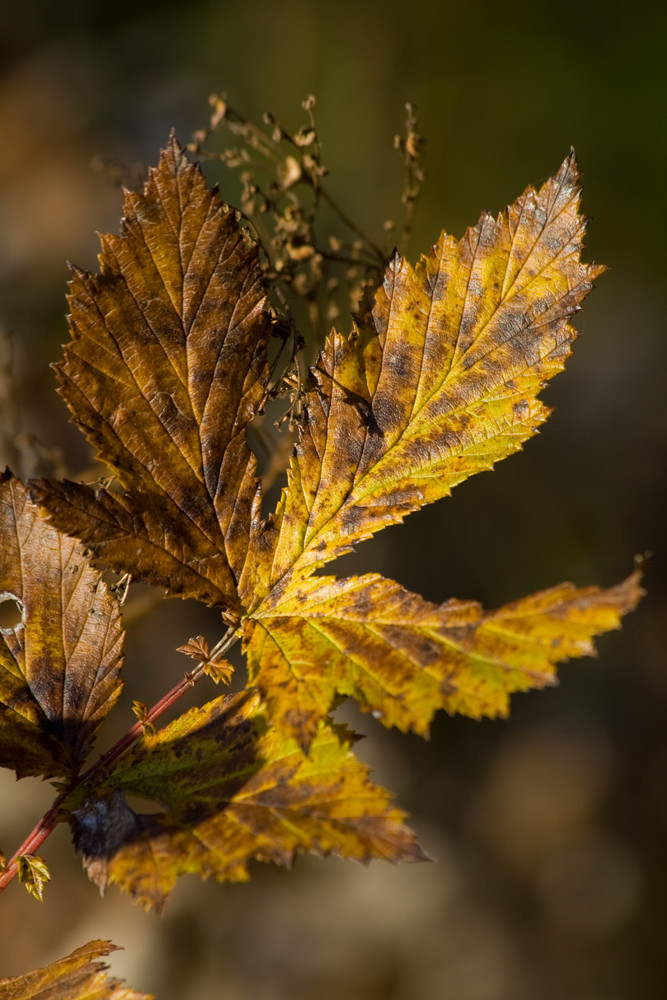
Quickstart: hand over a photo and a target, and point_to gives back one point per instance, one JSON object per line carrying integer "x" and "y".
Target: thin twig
{"x": 344, "y": 217}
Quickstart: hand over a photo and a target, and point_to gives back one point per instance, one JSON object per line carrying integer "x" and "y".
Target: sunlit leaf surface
{"x": 33, "y": 874}
{"x": 403, "y": 658}
{"x": 438, "y": 380}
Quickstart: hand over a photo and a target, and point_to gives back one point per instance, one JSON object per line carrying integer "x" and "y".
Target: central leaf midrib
{"x": 357, "y": 495}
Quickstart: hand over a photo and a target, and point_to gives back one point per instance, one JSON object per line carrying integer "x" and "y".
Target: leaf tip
{"x": 570, "y": 167}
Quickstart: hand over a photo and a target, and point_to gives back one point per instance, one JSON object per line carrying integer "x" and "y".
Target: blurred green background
{"x": 548, "y": 830}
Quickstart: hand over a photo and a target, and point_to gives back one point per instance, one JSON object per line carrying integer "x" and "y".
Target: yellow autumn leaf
{"x": 232, "y": 791}
{"x": 438, "y": 380}
{"x": 33, "y": 874}
{"x": 404, "y": 658}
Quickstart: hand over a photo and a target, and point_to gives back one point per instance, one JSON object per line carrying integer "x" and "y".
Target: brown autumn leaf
{"x": 76, "y": 977}
{"x": 219, "y": 670}
{"x": 165, "y": 369}
{"x": 233, "y": 790}
{"x": 59, "y": 666}
{"x": 197, "y": 648}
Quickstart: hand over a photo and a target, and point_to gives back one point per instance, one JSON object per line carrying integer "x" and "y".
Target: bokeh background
{"x": 549, "y": 829}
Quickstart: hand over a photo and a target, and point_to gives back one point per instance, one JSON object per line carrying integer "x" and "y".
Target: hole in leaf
{"x": 11, "y": 612}
{"x": 272, "y": 446}
{"x": 145, "y": 806}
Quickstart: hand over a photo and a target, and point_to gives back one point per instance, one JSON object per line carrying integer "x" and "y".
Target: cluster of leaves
{"x": 168, "y": 364}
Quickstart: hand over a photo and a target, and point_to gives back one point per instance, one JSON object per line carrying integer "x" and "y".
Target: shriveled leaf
{"x": 197, "y": 648}
{"x": 219, "y": 670}
{"x": 165, "y": 369}
{"x": 437, "y": 382}
{"x": 59, "y": 666}
{"x": 403, "y": 658}
{"x": 142, "y": 713}
{"x": 76, "y": 977}
{"x": 234, "y": 791}
{"x": 33, "y": 874}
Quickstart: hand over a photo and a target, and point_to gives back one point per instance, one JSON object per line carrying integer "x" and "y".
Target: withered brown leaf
{"x": 165, "y": 369}
{"x": 59, "y": 666}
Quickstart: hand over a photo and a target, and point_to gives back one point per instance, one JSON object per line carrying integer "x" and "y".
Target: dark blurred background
{"x": 549, "y": 829}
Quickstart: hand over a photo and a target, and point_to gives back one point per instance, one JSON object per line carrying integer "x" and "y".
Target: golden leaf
{"x": 33, "y": 874}
{"x": 234, "y": 791}
{"x": 404, "y": 658}
{"x": 437, "y": 381}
